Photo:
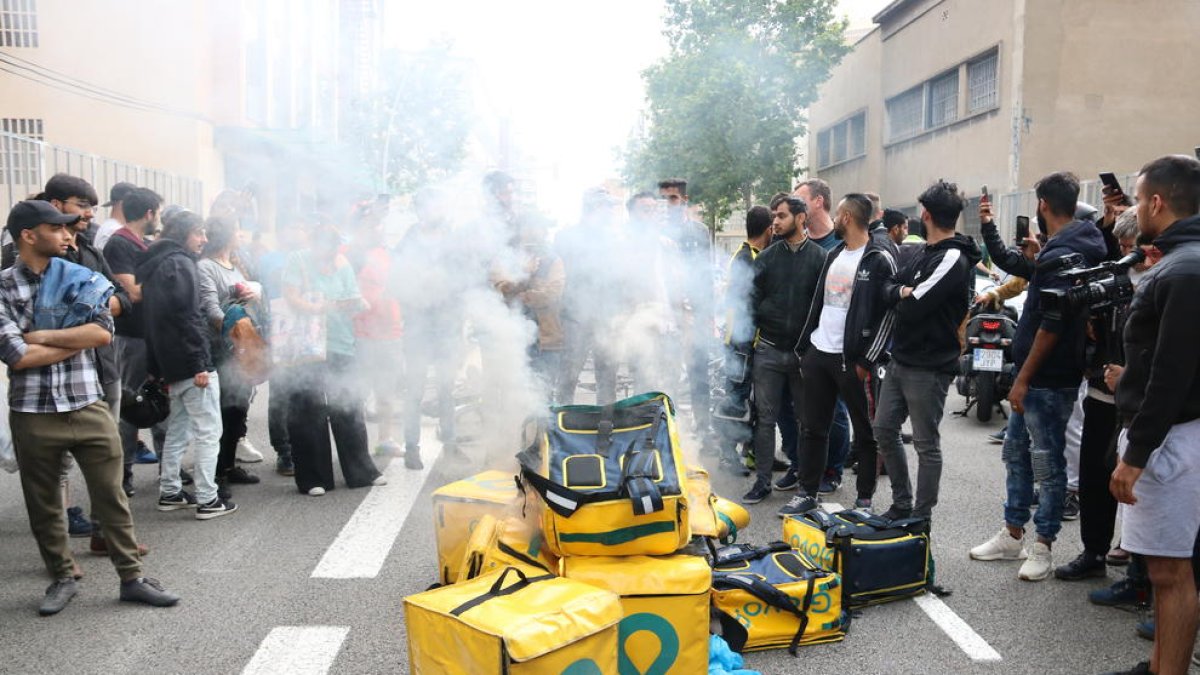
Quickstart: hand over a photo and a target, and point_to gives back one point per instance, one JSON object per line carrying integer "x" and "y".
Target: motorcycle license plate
{"x": 990, "y": 360}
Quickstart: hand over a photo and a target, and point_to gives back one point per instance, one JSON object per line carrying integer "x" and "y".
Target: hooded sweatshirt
{"x": 175, "y": 328}
{"x": 1160, "y": 386}
{"x": 1064, "y": 366}
{"x": 925, "y": 332}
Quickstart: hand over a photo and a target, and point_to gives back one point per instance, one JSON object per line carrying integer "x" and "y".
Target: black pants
{"x": 1097, "y": 459}
{"x": 826, "y": 376}
{"x": 324, "y": 399}
{"x": 236, "y": 395}
{"x": 775, "y": 371}
{"x": 277, "y": 414}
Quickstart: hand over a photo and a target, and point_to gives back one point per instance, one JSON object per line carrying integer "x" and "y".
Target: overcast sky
{"x": 566, "y": 74}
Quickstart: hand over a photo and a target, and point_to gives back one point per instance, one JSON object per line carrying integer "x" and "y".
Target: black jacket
{"x": 1161, "y": 383}
{"x": 176, "y": 332}
{"x": 785, "y": 284}
{"x": 942, "y": 276}
{"x": 868, "y": 325}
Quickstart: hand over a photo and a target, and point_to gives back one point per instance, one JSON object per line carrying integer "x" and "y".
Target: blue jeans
{"x": 195, "y": 420}
{"x": 1034, "y": 448}
{"x": 839, "y": 440}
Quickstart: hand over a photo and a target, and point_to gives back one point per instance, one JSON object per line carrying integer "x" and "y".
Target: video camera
{"x": 1092, "y": 288}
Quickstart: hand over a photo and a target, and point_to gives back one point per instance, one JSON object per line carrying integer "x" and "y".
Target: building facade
{"x": 999, "y": 93}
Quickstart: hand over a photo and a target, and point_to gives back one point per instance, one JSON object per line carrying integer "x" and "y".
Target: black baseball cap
{"x": 118, "y": 192}
{"x": 33, "y": 212}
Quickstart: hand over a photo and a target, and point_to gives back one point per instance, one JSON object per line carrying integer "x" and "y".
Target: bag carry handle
{"x": 637, "y": 474}
{"x": 741, "y": 552}
{"x": 772, "y": 596}
{"x": 497, "y": 590}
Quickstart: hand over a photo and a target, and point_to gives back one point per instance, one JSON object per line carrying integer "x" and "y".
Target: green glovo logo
{"x": 668, "y": 642}
{"x": 821, "y": 555}
{"x": 583, "y": 667}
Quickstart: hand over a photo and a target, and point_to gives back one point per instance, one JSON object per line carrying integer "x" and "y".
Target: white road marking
{"x": 298, "y": 650}
{"x": 952, "y": 624}
{"x": 365, "y": 541}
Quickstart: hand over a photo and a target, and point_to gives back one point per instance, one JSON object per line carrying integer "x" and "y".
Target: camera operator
{"x": 1158, "y": 400}
{"x": 1049, "y": 353}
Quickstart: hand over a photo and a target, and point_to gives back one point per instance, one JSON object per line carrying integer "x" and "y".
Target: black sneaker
{"x": 239, "y": 476}
{"x": 77, "y": 525}
{"x": 223, "y": 489}
{"x": 829, "y": 485}
{"x": 863, "y": 504}
{"x": 1071, "y": 506}
{"x": 147, "y": 591}
{"x": 180, "y": 500}
{"x": 215, "y": 509}
{"x": 1124, "y": 593}
{"x": 58, "y": 594}
{"x": 284, "y": 466}
{"x": 779, "y": 465}
{"x": 1084, "y": 566}
{"x": 788, "y": 481}
{"x": 1142, "y": 668}
{"x": 127, "y": 486}
{"x": 896, "y": 513}
{"x": 756, "y": 494}
{"x": 798, "y": 505}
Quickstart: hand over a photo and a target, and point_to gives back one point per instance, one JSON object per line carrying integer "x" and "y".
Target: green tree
{"x": 726, "y": 105}
{"x": 415, "y": 128}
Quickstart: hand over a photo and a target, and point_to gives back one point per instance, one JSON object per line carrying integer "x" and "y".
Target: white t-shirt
{"x": 839, "y": 287}
{"x": 107, "y": 228}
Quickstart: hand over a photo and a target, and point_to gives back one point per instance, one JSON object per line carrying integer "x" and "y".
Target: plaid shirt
{"x": 61, "y": 387}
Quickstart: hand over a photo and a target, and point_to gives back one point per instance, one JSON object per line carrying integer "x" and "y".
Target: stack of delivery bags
{"x": 604, "y": 556}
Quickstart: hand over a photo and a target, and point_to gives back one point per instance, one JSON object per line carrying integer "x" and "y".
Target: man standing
{"x": 785, "y": 283}
{"x": 930, "y": 296}
{"x": 177, "y": 348}
{"x": 116, "y": 214}
{"x": 694, "y": 243}
{"x": 817, "y": 195}
{"x": 1158, "y": 400}
{"x": 123, "y": 252}
{"x": 843, "y": 343}
{"x": 54, "y": 396}
{"x": 1049, "y": 352}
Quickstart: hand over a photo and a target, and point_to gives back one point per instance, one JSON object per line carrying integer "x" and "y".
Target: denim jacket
{"x": 69, "y": 295}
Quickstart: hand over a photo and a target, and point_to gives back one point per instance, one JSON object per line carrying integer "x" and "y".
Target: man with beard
{"x": 785, "y": 283}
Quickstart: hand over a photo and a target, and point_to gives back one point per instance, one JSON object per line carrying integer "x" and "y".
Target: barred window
{"x": 845, "y": 140}
{"x": 18, "y": 23}
{"x": 981, "y": 83}
{"x": 943, "y": 100}
{"x": 20, "y": 152}
{"x": 904, "y": 114}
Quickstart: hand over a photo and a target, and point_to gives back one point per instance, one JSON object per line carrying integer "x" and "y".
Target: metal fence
{"x": 26, "y": 164}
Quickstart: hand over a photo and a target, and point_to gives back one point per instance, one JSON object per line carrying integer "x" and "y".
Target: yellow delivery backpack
{"x": 612, "y": 479}
{"x": 457, "y": 508}
{"x": 516, "y": 621}
{"x": 774, "y": 596}
{"x": 879, "y": 560}
{"x": 713, "y": 516}
{"x": 500, "y": 542}
{"x": 665, "y": 601}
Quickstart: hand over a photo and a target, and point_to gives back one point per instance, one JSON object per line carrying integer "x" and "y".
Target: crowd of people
{"x": 841, "y": 320}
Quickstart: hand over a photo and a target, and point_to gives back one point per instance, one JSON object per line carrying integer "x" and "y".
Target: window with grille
{"x": 20, "y": 152}
{"x": 18, "y": 23}
{"x": 845, "y": 140}
{"x": 943, "y": 100}
{"x": 905, "y": 114}
{"x": 981, "y": 83}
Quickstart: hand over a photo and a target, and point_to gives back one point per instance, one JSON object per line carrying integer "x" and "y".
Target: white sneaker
{"x": 316, "y": 492}
{"x": 1000, "y": 547}
{"x": 379, "y": 480}
{"x": 247, "y": 453}
{"x": 1039, "y": 564}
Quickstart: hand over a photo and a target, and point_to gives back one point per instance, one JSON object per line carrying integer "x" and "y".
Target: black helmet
{"x": 146, "y": 407}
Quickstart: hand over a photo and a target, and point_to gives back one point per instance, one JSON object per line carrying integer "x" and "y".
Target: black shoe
{"x": 58, "y": 594}
{"x": 185, "y": 477}
{"x": 756, "y": 494}
{"x": 215, "y": 509}
{"x": 147, "y": 591}
{"x": 77, "y": 525}
{"x": 780, "y": 465}
{"x": 1084, "y": 566}
{"x": 284, "y": 466}
{"x": 127, "y": 486}
{"x": 1142, "y": 668}
{"x": 896, "y": 513}
{"x": 239, "y": 476}
{"x": 1071, "y": 506}
{"x": 798, "y": 505}
{"x": 788, "y": 481}
{"x": 412, "y": 459}
{"x": 829, "y": 485}
{"x": 223, "y": 489}
{"x": 180, "y": 500}
{"x": 1124, "y": 593}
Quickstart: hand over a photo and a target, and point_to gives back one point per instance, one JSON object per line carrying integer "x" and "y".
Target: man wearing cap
{"x": 116, "y": 214}
{"x": 56, "y": 405}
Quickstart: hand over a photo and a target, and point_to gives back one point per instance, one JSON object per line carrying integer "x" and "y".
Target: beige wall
{"x": 853, "y": 86}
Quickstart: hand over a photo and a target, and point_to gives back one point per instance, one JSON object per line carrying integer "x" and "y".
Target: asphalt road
{"x": 245, "y": 576}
